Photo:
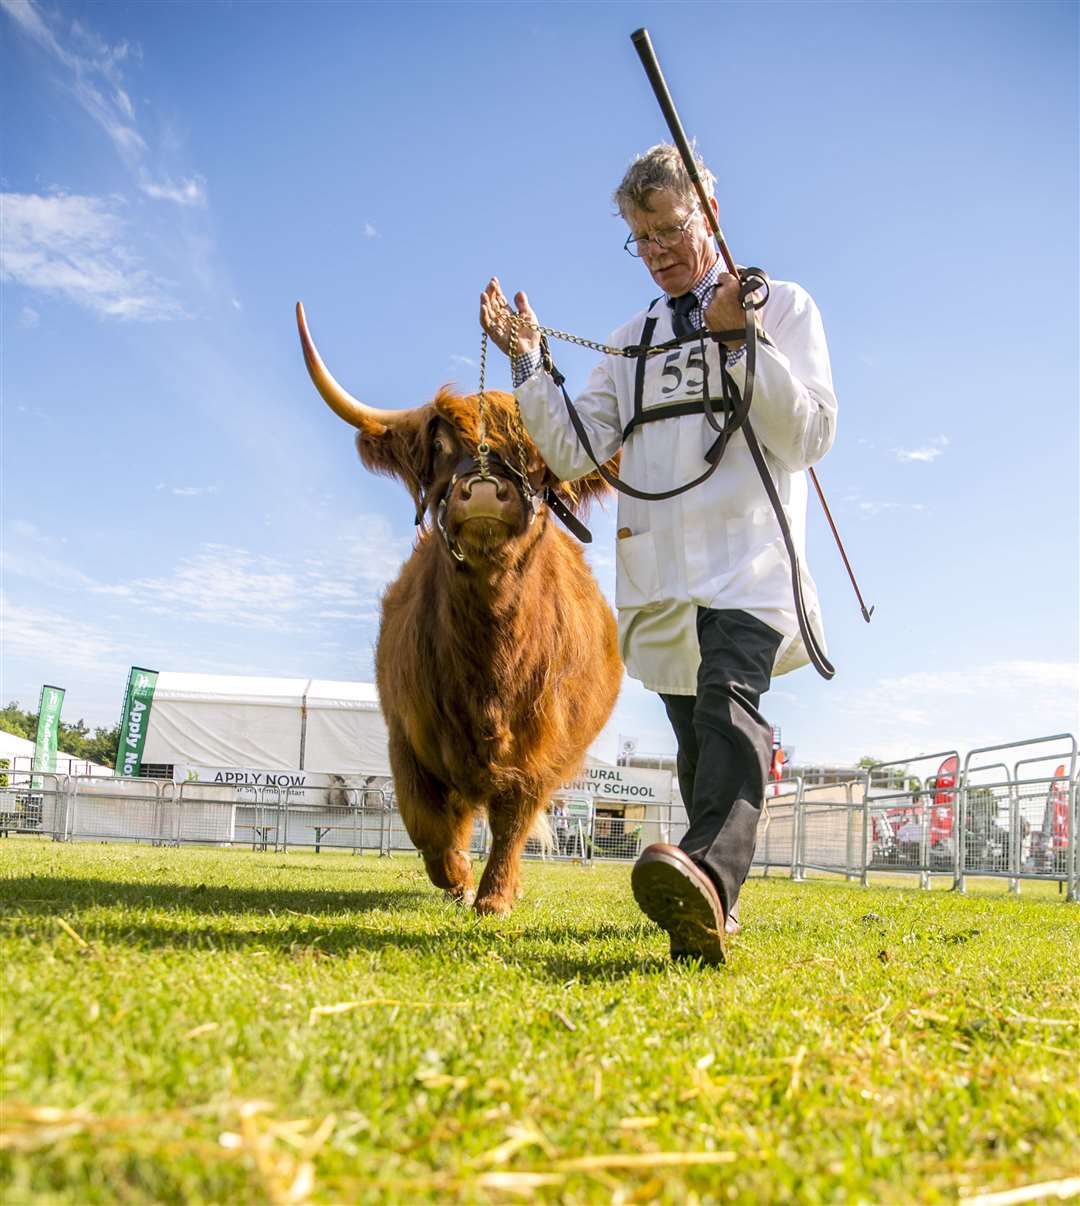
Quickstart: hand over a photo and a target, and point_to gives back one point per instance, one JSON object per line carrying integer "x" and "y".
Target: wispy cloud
{"x": 964, "y": 708}
{"x": 869, "y": 507}
{"x": 187, "y": 491}
{"x": 929, "y": 451}
{"x": 369, "y": 231}
{"x": 93, "y": 74}
{"x": 221, "y": 584}
{"x": 339, "y": 579}
{"x": 35, "y": 632}
{"x": 463, "y": 360}
{"x": 28, "y": 318}
{"x": 78, "y": 247}
{"x": 186, "y": 192}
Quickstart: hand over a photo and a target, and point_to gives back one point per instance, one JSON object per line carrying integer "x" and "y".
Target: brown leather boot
{"x": 672, "y": 890}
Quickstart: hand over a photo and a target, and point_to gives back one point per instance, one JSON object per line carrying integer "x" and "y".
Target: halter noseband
{"x": 471, "y": 469}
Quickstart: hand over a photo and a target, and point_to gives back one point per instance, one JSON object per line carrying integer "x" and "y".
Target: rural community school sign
{"x": 622, "y": 784}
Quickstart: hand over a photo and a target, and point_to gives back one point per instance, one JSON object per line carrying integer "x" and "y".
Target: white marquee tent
{"x": 221, "y": 720}
{"x": 19, "y": 753}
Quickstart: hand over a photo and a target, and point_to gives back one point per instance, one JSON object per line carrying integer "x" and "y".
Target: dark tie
{"x": 681, "y": 309}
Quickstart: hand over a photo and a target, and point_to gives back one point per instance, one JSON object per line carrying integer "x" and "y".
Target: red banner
{"x": 942, "y": 814}
{"x": 776, "y": 771}
{"x": 1056, "y": 817}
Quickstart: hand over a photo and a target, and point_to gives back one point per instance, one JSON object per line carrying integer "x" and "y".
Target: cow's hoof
{"x": 461, "y": 896}
{"x": 495, "y": 906}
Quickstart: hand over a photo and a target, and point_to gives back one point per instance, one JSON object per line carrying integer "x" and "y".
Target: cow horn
{"x": 368, "y": 419}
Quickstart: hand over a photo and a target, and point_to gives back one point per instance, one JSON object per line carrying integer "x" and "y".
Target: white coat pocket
{"x": 637, "y": 573}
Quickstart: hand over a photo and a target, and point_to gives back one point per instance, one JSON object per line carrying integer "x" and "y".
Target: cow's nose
{"x": 486, "y": 483}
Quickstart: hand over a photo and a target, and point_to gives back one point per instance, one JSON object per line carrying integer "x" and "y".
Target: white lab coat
{"x": 719, "y": 544}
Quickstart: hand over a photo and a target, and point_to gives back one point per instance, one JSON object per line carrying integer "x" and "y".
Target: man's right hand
{"x": 495, "y": 314}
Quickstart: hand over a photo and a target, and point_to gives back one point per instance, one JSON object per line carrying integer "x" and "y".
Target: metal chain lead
{"x": 483, "y": 448}
{"x": 580, "y": 340}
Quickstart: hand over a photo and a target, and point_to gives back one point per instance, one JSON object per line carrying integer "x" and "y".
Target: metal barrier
{"x": 119, "y": 809}
{"x": 343, "y": 818}
{"x": 777, "y": 831}
{"x": 917, "y": 816}
{"x": 832, "y": 831}
{"x": 280, "y": 817}
{"x": 1074, "y": 837}
{"x": 32, "y": 803}
{"x": 909, "y": 817}
{"x": 397, "y": 838}
{"x": 621, "y": 837}
{"x": 1018, "y": 826}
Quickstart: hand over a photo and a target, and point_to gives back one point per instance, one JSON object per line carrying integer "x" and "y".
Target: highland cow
{"x": 497, "y": 662}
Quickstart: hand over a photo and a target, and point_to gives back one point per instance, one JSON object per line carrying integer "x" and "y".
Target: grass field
{"x": 224, "y": 1026}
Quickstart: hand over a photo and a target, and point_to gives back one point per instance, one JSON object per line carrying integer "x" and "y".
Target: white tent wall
{"x": 345, "y": 731}
{"x": 266, "y": 723}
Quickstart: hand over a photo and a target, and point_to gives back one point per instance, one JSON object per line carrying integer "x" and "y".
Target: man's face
{"x": 679, "y": 266}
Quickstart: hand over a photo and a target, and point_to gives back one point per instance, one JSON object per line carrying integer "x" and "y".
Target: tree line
{"x": 76, "y": 740}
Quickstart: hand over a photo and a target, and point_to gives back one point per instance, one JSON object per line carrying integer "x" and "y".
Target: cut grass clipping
{"x": 203, "y": 1025}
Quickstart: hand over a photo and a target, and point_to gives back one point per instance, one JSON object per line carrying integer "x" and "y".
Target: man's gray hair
{"x": 661, "y": 167}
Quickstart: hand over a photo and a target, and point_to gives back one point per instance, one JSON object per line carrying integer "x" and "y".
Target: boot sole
{"x": 668, "y": 896}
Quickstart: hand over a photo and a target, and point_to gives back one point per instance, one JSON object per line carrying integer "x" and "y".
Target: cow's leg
{"x": 500, "y": 885}
{"x": 440, "y": 831}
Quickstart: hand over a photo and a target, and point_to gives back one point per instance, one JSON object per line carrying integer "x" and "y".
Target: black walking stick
{"x": 643, "y": 45}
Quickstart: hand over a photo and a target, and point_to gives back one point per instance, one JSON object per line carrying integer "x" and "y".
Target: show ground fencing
{"x": 927, "y": 816}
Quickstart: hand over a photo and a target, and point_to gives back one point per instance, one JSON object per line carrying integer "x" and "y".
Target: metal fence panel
{"x": 911, "y": 820}
{"x": 622, "y": 837}
{"x": 26, "y": 808}
{"x": 345, "y": 818}
{"x": 777, "y": 829}
{"x": 832, "y": 830}
{"x": 1018, "y": 824}
{"x": 207, "y": 813}
{"x": 910, "y": 816}
{"x": 397, "y": 838}
{"x": 121, "y": 809}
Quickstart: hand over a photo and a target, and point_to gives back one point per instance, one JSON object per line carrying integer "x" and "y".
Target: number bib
{"x": 679, "y": 375}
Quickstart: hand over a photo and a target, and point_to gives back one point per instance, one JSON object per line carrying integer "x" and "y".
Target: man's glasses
{"x": 664, "y": 239}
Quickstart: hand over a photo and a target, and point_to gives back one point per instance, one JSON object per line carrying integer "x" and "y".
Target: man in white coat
{"x": 703, "y": 580}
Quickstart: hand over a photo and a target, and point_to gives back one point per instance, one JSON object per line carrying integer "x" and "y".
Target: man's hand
{"x": 495, "y": 319}
{"x": 724, "y": 311}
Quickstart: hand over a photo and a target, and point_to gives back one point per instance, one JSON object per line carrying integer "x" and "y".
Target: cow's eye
{"x": 440, "y": 446}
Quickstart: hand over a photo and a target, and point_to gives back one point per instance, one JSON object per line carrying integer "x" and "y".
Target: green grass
{"x": 879, "y": 1044}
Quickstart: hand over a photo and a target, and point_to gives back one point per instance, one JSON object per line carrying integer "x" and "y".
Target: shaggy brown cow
{"x": 497, "y": 661}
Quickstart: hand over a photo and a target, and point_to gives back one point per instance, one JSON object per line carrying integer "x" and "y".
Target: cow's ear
{"x": 396, "y": 451}
{"x": 425, "y": 452}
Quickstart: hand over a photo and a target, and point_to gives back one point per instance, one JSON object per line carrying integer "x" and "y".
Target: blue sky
{"x": 176, "y": 176}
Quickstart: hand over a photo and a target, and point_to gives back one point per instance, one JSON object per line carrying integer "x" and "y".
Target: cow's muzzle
{"x": 495, "y": 492}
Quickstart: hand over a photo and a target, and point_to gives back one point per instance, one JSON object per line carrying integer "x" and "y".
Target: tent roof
{"x": 182, "y": 687}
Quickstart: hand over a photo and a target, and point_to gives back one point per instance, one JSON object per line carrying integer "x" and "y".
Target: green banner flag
{"x": 135, "y": 720}
{"x": 48, "y": 731}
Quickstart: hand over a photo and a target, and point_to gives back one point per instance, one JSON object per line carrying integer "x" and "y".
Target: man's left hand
{"x": 724, "y": 311}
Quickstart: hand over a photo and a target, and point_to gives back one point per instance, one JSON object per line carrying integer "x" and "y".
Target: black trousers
{"x": 725, "y": 746}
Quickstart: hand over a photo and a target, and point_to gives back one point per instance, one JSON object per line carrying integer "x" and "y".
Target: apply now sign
{"x": 626, "y": 784}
